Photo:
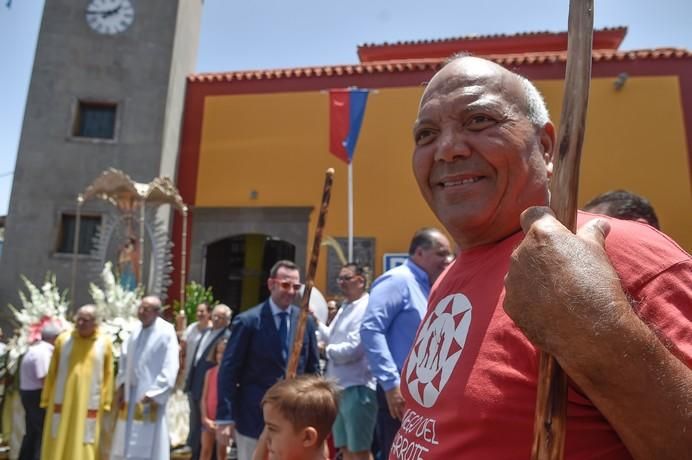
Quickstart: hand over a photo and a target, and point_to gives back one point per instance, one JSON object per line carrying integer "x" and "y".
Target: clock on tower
{"x": 110, "y": 16}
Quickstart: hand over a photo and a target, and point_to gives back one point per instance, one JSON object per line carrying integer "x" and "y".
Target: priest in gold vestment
{"x": 77, "y": 390}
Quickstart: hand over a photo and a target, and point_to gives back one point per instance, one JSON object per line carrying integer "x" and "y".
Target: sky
{"x": 263, "y": 34}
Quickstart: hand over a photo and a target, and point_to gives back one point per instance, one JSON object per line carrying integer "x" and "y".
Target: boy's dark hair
{"x": 624, "y": 205}
{"x": 304, "y": 401}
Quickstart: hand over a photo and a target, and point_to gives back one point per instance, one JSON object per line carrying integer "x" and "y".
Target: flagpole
{"x": 350, "y": 212}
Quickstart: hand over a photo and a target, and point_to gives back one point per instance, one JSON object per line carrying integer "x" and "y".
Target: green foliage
{"x": 195, "y": 294}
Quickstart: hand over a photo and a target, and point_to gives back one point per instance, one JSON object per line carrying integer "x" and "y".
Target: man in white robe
{"x": 146, "y": 377}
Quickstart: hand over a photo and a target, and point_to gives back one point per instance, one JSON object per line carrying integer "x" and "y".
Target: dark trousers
{"x": 195, "y": 435}
{"x": 387, "y": 426}
{"x": 34, "y": 415}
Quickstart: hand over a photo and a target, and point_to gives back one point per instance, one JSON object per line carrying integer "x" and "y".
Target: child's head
{"x": 299, "y": 414}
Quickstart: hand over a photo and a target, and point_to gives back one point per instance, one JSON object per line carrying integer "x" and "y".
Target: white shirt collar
{"x": 275, "y": 308}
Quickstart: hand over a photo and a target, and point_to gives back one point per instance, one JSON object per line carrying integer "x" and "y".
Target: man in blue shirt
{"x": 397, "y": 304}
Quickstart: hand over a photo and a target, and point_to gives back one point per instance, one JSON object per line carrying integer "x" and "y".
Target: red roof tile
{"x": 620, "y": 29}
{"x": 417, "y": 65}
{"x": 527, "y": 42}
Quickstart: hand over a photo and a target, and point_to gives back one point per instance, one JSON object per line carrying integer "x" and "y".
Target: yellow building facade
{"x": 255, "y": 149}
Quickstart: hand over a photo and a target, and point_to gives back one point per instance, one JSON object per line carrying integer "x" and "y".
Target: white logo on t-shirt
{"x": 437, "y": 348}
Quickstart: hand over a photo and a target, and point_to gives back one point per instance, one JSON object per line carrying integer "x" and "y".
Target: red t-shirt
{"x": 470, "y": 379}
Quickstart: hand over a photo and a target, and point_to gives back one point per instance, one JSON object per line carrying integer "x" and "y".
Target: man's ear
{"x": 548, "y": 146}
{"x": 309, "y": 437}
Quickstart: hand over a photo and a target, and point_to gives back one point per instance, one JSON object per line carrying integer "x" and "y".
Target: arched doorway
{"x": 237, "y": 267}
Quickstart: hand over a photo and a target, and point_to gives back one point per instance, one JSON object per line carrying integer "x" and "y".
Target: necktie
{"x": 283, "y": 333}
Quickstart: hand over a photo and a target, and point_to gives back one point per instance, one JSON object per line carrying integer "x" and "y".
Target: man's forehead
{"x": 470, "y": 69}
{"x": 471, "y": 78}
{"x": 441, "y": 240}
{"x": 85, "y": 311}
{"x": 466, "y": 98}
{"x": 285, "y": 272}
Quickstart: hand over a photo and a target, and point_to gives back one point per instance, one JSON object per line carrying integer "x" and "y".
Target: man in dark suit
{"x": 194, "y": 385}
{"x": 256, "y": 358}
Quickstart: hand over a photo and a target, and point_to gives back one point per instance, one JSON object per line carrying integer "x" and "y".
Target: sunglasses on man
{"x": 288, "y": 285}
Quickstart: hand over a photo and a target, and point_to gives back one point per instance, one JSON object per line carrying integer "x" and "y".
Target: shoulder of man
{"x": 638, "y": 249}
{"x": 62, "y": 338}
{"x": 188, "y": 330}
{"x": 105, "y": 337}
{"x": 165, "y": 326}
{"x": 398, "y": 276}
{"x": 310, "y": 320}
{"x": 249, "y": 315}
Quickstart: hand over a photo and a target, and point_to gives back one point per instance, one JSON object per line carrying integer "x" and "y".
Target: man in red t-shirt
{"x": 612, "y": 304}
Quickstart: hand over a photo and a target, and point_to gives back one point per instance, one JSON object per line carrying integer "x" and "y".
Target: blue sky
{"x": 280, "y": 33}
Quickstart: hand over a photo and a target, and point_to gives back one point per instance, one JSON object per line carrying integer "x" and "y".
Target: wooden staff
{"x": 551, "y": 404}
{"x": 292, "y": 366}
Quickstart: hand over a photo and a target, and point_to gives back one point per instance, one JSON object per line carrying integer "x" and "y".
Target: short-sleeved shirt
{"x": 471, "y": 377}
{"x": 35, "y": 366}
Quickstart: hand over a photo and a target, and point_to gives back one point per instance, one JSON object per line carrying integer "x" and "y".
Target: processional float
{"x": 130, "y": 198}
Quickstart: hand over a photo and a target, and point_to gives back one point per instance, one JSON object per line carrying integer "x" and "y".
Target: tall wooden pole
{"x": 292, "y": 366}
{"x": 551, "y": 404}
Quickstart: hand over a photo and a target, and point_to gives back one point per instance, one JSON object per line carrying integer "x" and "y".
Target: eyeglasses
{"x": 288, "y": 285}
{"x": 340, "y": 279}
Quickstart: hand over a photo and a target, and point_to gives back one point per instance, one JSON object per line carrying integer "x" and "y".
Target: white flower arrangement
{"x": 45, "y": 302}
{"x": 116, "y": 306}
{"x": 40, "y": 307}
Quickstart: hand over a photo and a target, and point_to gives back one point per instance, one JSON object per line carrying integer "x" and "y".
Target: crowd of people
{"x": 439, "y": 358}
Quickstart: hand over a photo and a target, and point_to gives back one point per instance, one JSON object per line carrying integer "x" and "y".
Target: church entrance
{"x": 237, "y": 268}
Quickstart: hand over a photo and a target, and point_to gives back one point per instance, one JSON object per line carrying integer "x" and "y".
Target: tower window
{"x": 95, "y": 120}
{"x": 88, "y": 228}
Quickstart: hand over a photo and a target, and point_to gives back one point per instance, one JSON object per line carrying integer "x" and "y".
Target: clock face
{"x": 110, "y": 16}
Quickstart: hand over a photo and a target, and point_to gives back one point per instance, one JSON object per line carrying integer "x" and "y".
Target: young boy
{"x": 298, "y": 416}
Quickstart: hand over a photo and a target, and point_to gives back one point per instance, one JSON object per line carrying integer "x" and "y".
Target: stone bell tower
{"x": 107, "y": 90}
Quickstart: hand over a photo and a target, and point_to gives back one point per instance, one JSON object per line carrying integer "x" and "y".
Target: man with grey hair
{"x": 146, "y": 378}
{"x": 612, "y": 303}
{"x": 78, "y": 389}
{"x": 32, "y": 373}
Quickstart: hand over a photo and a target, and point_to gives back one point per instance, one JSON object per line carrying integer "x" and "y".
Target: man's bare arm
{"x": 566, "y": 297}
